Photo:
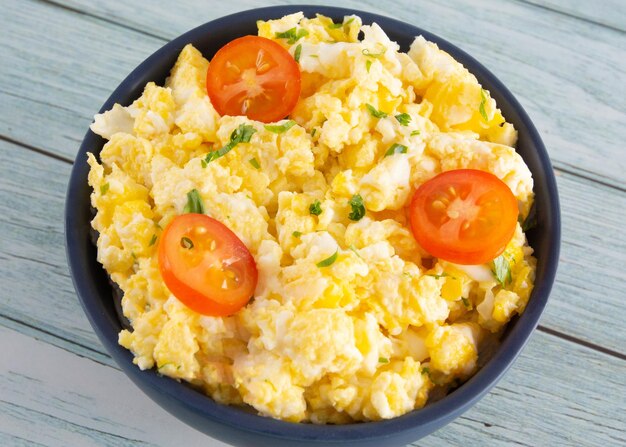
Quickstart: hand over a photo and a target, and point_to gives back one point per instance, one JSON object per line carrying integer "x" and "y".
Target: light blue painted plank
{"x": 610, "y": 13}
{"x": 561, "y": 69}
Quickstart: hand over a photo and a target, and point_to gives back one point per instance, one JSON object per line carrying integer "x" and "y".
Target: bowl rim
{"x": 428, "y": 418}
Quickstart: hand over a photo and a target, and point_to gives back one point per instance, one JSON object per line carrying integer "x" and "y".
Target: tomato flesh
{"x": 465, "y": 216}
{"x": 255, "y": 77}
{"x": 206, "y": 266}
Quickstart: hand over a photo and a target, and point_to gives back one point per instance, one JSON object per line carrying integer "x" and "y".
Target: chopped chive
{"x": 404, "y": 119}
{"x": 292, "y": 35}
{"x": 368, "y": 65}
{"x": 194, "y": 203}
{"x": 353, "y": 248}
{"x": 280, "y": 128}
{"x": 481, "y": 108}
{"x": 368, "y": 53}
{"x": 375, "y": 113}
{"x": 255, "y": 163}
{"x": 328, "y": 261}
{"x": 104, "y": 188}
{"x": 153, "y": 240}
{"x": 415, "y": 132}
{"x": 383, "y": 360}
{"x": 296, "y": 234}
{"x": 242, "y": 134}
{"x": 296, "y": 54}
{"x": 396, "y": 149}
{"x": 465, "y": 302}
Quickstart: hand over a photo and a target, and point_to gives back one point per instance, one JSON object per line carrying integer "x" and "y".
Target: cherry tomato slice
{"x": 255, "y": 77}
{"x": 465, "y": 216}
{"x": 206, "y": 266}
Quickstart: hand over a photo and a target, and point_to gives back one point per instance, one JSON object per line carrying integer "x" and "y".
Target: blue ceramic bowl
{"x": 243, "y": 428}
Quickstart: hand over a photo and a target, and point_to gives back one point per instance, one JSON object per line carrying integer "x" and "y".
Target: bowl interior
{"x": 96, "y": 295}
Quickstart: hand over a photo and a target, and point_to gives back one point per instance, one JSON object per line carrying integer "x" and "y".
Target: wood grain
{"x": 611, "y": 13}
{"x": 561, "y": 69}
{"x": 51, "y": 397}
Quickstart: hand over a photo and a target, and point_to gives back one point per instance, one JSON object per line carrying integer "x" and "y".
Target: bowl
{"x": 236, "y": 425}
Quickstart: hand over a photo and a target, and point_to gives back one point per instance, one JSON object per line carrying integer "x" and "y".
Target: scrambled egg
{"x": 367, "y": 337}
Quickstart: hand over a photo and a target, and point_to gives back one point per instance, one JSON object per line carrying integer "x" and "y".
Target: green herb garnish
{"x": 353, "y": 248}
{"x": 296, "y": 234}
{"x": 383, "y": 360}
{"x": 255, "y": 163}
{"x": 502, "y": 270}
{"x": 404, "y": 119}
{"x": 396, "y": 149}
{"x": 315, "y": 208}
{"x": 296, "y": 54}
{"x": 104, "y": 188}
{"x": 328, "y": 261}
{"x": 194, "y": 203}
{"x": 465, "y": 302}
{"x": 292, "y": 35}
{"x": 368, "y": 53}
{"x": 531, "y": 220}
{"x": 375, "y": 113}
{"x": 368, "y": 65}
{"x": 341, "y": 24}
{"x": 280, "y": 128}
{"x": 358, "y": 208}
{"x": 241, "y": 134}
{"x": 313, "y": 132}
{"x": 153, "y": 240}
{"x": 481, "y": 108}
{"x": 415, "y": 132}
{"x": 443, "y": 275}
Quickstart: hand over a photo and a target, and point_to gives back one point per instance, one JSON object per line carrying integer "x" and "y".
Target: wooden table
{"x": 564, "y": 60}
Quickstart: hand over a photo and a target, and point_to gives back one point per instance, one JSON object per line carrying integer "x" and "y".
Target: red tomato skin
{"x": 287, "y": 72}
{"x": 469, "y": 252}
{"x": 217, "y": 303}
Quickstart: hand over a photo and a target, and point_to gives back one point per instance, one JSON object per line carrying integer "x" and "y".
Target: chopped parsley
{"x": 404, "y": 119}
{"x": 375, "y": 113}
{"x": 481, "y": 108}
{"x": 153, "y": 240}
{"x": 104, "y": 188}
{"x": 241, "y": 134}
{"x": 415, "y": 132}
{"x": 315, "y": 208}
{"x": 255, "y": 163}
{"x": 292, "y": 35}
{"x": 296, "y": 54}
{"x": 328, "y": 261}
{"x": 358, "y": 208}
{"x": 368, "y": 65}
{"x": 396, "y": 149}
{"x": 187, "y": 243}
{"x": 313, "y": 132}
{"x": 383, "y": 360}
{"x": 502, "y": 270}
{"x": 194, "y": 203}
{"x": 296, "y": 234}
{"x": 280, "y": 128}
